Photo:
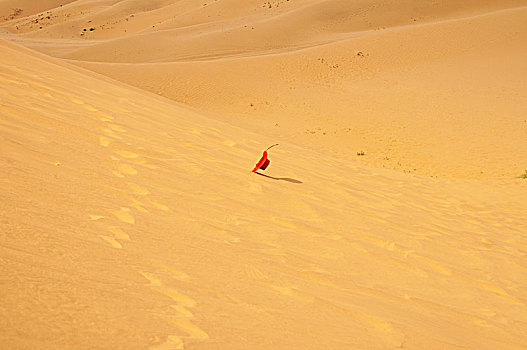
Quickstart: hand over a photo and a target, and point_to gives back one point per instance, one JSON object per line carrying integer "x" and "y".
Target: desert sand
{"x": 392, "y": 215}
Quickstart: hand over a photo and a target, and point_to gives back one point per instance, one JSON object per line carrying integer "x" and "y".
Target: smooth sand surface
{"x": 131, "y": 220}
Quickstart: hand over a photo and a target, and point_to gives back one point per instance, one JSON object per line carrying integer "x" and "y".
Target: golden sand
{"x": 392, "y": 215}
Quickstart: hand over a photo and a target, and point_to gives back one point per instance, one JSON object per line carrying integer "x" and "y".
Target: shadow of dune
{"x": 288, "y": 179}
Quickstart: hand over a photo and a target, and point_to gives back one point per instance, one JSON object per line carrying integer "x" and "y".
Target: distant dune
{"x": 392, "y": 215}
{"x": 422, "y": 87}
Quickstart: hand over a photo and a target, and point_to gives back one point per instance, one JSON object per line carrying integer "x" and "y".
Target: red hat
{"x": 263, "y": 163}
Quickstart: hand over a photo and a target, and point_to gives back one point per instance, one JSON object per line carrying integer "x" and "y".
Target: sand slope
{"x": 129, "y": 221}
{"x": 433, "y": 88}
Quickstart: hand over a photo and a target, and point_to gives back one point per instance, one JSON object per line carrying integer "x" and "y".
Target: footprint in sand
{"x": 104, "y": 141}
{"x": 154, "y": 281}
{"x": 126, "y": 169}
{"x": 179, "y": 315}
{"x": 89, "y": 108}
{"x": 179, "y": 275}
{"x": 123, "y": 214}
{"x": 116, "y": 127}
{"x": 382, "y": 243}
{"x": 36, "y": 83}
{"x": 118, "y": 233}
{"x": 136, "y": 189}
{"x": 138, "y": 205}
{"x": 112, "y": 241}
{"x": 84, "y": 105}
{"x": 127, "y": 154}
{"x": 193, "y": 331}
{"x": 180, "y": 299}
{"x": 111, "y": 133}
{"x": 105, "y": 117}
{"x": 172, "y": 343}
{"x": 434, "y": 265}
{"x": 159, "y": 205}
{"x": 494, "y": 289}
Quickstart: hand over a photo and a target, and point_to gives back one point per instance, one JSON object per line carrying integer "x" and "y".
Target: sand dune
{"x": 129, "y": 220}
{"x": 427, "y": 88}
{"x": 415, "y": 99}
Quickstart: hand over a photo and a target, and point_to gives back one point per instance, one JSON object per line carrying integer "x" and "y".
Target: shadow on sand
{"x": 288, "y": 179}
